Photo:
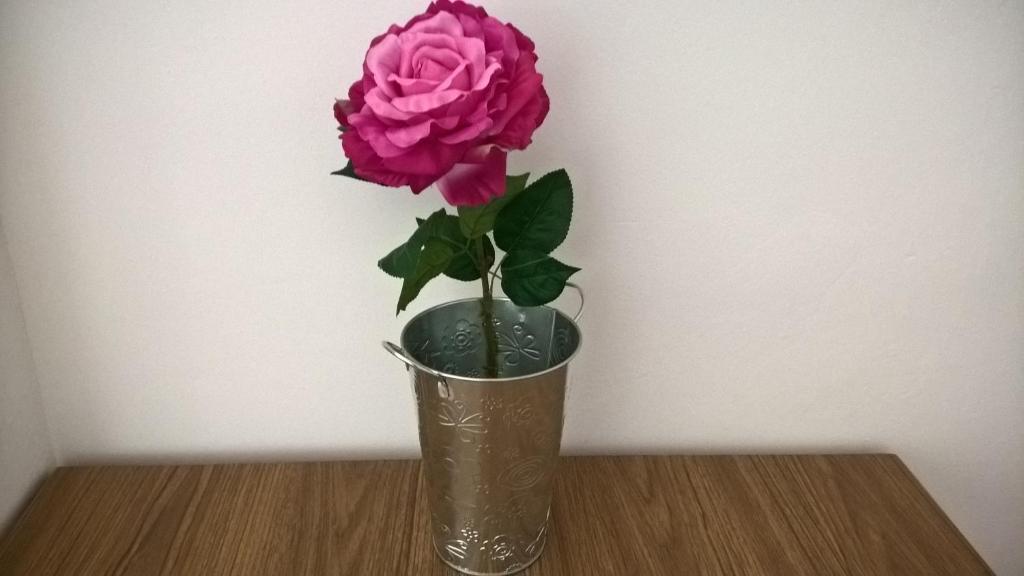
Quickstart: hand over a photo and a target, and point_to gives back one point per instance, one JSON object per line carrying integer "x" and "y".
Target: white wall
{"x": 801, "y": 227}
{"x": 25, "y": 454}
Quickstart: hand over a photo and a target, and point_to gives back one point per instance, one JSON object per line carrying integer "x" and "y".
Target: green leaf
{"x": 349, "y": 171}
{"x": 537, "y": 219}
{"x": 434, "y": 258}
{"x": 447, "y": 229}
{"x": 464, "y": 265}
{"x": 401, "y": 262}
{"x": 477, "y": 221}
{"x": 533, "y": 278}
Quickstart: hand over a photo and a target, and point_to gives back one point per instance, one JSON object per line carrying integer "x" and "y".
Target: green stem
{"x": 487, "y": 312}
{"x": 494, "y": 273}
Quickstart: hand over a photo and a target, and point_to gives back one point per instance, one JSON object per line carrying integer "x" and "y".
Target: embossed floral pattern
{"x": 520, "y": 412}
{"x": 461, "y": 339}
{"x": 537, "y": 544}
{"x": 456, "y": 549}
{"x": 542, "y": 438}
{"x": 502, "y": 548}
{"x": 449, "y": 458}
{"x": 517, "y": 344}
{"x": 561, "y": 346}
{"x": 480, "y": 485}
{"x": 469, "y": 532}
{"x": 454, "y": 415}
{"x": 523, "y": 474}
{"x": 513, "y": 511}
{"x": 492, "y": 404}
{"x": 423, "y": 353}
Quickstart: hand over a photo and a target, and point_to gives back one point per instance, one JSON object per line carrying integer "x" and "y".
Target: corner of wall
{"x": 28, "y": 451}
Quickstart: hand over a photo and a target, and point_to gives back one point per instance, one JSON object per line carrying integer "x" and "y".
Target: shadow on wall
{"x": 20, "y": 506}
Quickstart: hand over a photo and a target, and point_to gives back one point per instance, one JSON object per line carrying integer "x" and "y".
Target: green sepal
{"x": 476, "y": 221}
{"x": 349, "y": 171}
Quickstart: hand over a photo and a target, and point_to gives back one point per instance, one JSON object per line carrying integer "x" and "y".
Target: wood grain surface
{"x": 787, "y": 515}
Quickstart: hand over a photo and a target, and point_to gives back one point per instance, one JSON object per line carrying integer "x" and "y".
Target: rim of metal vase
{"x": 409, "y": 358}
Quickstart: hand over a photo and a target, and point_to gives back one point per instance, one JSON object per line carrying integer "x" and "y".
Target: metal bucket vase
{"x": 490, "y": 445}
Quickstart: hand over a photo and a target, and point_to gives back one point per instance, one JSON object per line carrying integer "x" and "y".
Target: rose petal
{"x": 468, "y": 132}
{"x": 419, "y": 103}
{"x": 383, "y": 107}
{"x": 518, "y": 132}
{"x": 406, "y": 136}
{"x": 442, "y": 50}
{"x": 383, "y": 60}
{"x": 501, "y": 39}
{"x": 410, "y": 86}
{"x": 366, "y": 163}
{"x": 447, "y": 122}
{"x": 523, "y": 41}
{"x": 435, "y": 63}
{"x": 474, "y": 51}
{"x": 413, "y": 44}
{"x": 444, "y": 23}
{"x": 457, "y": 8}
{"x": 471, "y": 107}
{"x": 485, "y": 78}
{"x": 471, "y": 26}
{"x": 522, "y": 88}
{"x": 375, "y": 133}
{"x": 426, "y": 159}
{"x": 371, "y": 167}
{"x": 420, "y": 183}
{"x": 355, "y": 102}
{"x": 478, "y": 178}
{"x": 458, "y": 80}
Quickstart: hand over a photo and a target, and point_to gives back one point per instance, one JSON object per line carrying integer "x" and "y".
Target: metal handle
{"x": 579, "y": 292}
{"x": 396, "y": 351}
{"x": 574, "y": 286}
{"x": 442, "y": 383}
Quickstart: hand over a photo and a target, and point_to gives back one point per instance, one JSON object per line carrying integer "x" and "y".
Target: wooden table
{"x": 785, "y": 515}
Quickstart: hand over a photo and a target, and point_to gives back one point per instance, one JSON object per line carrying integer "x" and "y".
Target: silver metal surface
{"x": 490, "y": 445}
{"x": 579, "y": 292}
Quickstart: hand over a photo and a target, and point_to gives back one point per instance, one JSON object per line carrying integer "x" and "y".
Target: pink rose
{"x": 441, "y": 100}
